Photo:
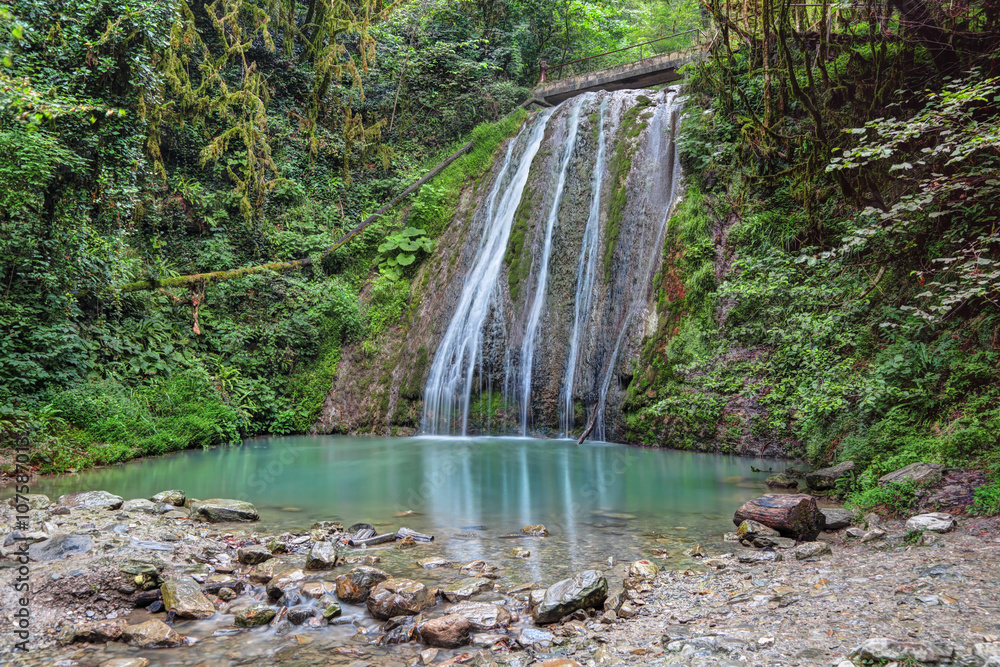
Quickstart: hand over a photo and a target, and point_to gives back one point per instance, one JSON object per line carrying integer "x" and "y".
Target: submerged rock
{"x": 101, "y": 500}
{"x": 152, "y": 634}
{"x": 585, "y": 590}
{"x": 398, "y": 597}
{"x": 256, "y": 614}
{"x": 219, "y": 510}
{"x": 355, "y": 586}
{"x": 449, "y": 631}
{"x": 537, "y": 530}
{"x": 322, "y": 556}
{"x": 466, "y": 588}
{"x": 483, "y": 616}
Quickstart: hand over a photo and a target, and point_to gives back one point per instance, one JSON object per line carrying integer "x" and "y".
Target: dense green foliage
{"x": 148, "y": 139}
{"x": 831, "y": 280}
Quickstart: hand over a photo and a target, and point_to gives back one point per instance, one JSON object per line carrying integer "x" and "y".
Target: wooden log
{"x": 372, "y": 541}
{"x": 792, "y": 515}
{"x": 403, "y": 533}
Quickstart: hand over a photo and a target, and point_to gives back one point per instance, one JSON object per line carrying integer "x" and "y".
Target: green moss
{"x": 633, "y": 123}
{"x": 519, "y": 257}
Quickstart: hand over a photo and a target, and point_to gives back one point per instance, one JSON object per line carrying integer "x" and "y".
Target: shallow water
{"x": 598, "y": 500}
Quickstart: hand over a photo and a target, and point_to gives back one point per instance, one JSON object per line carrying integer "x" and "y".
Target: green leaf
{"x": 405, "y": 260}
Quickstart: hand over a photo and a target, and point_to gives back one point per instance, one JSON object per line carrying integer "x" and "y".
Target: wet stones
{"x": 535, "y": 530}
{"x": 99, "y": 632}
{"x": 464, "y": 589}
{"x": 531, "y": 637}
{"x": 152, "y": 634}
{"x": 184, "y": 596}
{"x": 355, "y": 586}
{"x": 450, "y": 631}
{"x": 935, "y": 522}
{"x": 398, "y": 597}
{"x": 256, "y": 614}
{"x": 60, "y": 546}
{"x": 322, "y": 556}
{"x": 760, "y": 557}
{"x": 221, "y": 510}
{"x": 585, "y": 590}
{"x": 101, "y": 500}
{"x": 253, "y": 554}
{"x": 283, "y": 582}
{"x": 826, "y": 478}
{"x": 643, "y": 569}
{"x": 172, "y": 497}
{"x": 483, "y": 616}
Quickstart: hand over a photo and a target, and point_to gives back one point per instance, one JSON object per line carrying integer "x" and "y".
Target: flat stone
{"x": 253, "y": 554}
{"x": 60, "y": 546}
{"x": 872, "y": 535}
{"x": 172, "y": 497}
{"x": 283, "y": 582}
{"x": 826, "y": 478}
{"x": 483, "y": 616}
{"x": 184, "y": 596}
{"x": 220, "y": 510}
{"x": 139, "y": 505}
{"x": 398, "y": 597}
{"x": 34, "y": 501}
{"x": 837, "y": 518}
{"x": 101, "y": 500}
{"x": 99, "y": 632}
{"x": 464, "y": 589}
{"x": 449, "y": 631}
{"x": 812, "y": 550}
{"x": 782, "y": 480}
{"x": 880, "y": 648}
{"x": 585, "y": 590}
{"x": 529, "y": 637}
{"x": 152, "y": 634}
{"x": 433, "y": 563}
{"x": 748, "y": 530}
{"x": 935, "y": 522}
{"x": 921, "y": 474}
{"x": 486, "y": 640}
{"x": 759, "y": 557}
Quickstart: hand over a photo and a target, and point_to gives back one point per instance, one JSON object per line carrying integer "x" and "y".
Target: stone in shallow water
{"x": 449, "y": 631}
{"x": 538, "y": 530}
{"x": 99, "y": 632}
{"x": 92, "y": 500}
{"x": 782, "y": 480}
{"x": 398, "y": 597}
{"x": 355, "y": 586}
{"x": 258, "y": 613}
{"x": 482, "y": 616}
{"x": 322, "y": 556}
{"x": 466, "y": 588}
{"x": 585, "y": 590}
{"x": 432, "y": 563}
{"x": 184, "y": 596}
{"x": 218, "y": 510}
{"x": 126, "y": 662}
{"x": 643, "y": 569}
{"x": 529, "y": 637}
{"x": 253, "y": 554}
{"x": 152, "y": 634}
{"x": 284, "y": 582}
{"x": 60, "y": 546}
{"x": 300, "y": 614}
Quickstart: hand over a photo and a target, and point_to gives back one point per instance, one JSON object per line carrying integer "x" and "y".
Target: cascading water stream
{"x": 586, "y": 268}
{"x": 449, "y": 383}
{"x": 534, "y": 315}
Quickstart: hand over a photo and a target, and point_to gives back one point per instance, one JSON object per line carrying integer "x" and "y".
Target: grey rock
{"x": 450, "y": 631}
{"x": 218, "y": 510}
{"x": 283, "y": 582}
{"x": 300, "y": 614}
{"x": 872, "y": 535}
{"x": 464, "y": 589}
{"x": 60, "y": 546}
{"x": 92, "y": 500}
{"x": 811, "y": 550}
{"x": 529, "y": 637}
{"x": 139, "y": 505}
{"x": 185, "y": 597}
{"x": 256, "y": 614}
{"x": 782, "y": 480}
{"x": 854, "y": 533}
{"x": 253, "y": 554}
{"x": 880, "y": 648}
{"x": 34, "y": 501}
{"x": 758, "y": 557}
{"x": 935, "y": 522}
{"x": 172, "y": 497}
{"x": 921, "y": 474}
{"x": 322, "y": 556}
{"x": 826, "y": 478}
{"x": 482, "y": 616}
{"x": 152, "y": 634}
{"x": 398, "y": 597}
{"x": 837, "y": 518}
{"x": 585, "y": 590}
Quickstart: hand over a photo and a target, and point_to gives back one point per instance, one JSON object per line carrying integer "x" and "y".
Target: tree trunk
{"x": 792, "y": 515}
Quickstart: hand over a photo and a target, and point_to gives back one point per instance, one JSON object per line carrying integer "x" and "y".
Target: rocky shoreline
{"x": 171, "y": 580}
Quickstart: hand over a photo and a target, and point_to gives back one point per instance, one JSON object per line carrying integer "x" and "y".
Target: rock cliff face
{"x": 528, "y": 316}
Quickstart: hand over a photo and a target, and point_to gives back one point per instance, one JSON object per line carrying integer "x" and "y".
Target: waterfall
{"x": 531, "y": 330}
{"x": 547, "y": 297}
{"x": 449, "y": 384}
{"x": 586, "y": 267}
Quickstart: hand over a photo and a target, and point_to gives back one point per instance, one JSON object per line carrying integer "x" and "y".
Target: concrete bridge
{"x": 652, "y": 71}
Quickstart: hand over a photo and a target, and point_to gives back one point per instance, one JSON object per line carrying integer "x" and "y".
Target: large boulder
{"x": 826, "y": 478}
{"x": 354, "y": 586}
{"x": 219, "y": 510}
{"x": 322, "y": 556}
{"x": 585, "y": 590}
{"x": 792, "y": 515}
{"x": 152, "y": 634}
{"x": 60, "y": 546}
{"x": 100, "y": 500}
{"x": 920, "y": 474}
{"x": 449, "y": 631}
{"x": 837, "y": 518}
{"x": 185, "y": 597}
{"x": 399, "y": 597}
{"x": 483, "y": 615}
{"x": 935, "y": 522}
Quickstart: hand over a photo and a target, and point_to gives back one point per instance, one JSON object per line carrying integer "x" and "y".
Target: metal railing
{"x": 547, "y": 73}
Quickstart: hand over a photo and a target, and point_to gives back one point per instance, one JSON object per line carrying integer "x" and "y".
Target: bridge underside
{"x": 643, "y": 74}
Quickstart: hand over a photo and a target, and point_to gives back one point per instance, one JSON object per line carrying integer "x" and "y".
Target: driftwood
{"x": 403, "y": 533}
{"x": 590, "y": 427}
{"x": 372, "y": 541}
{"x": 792, "y": 515}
